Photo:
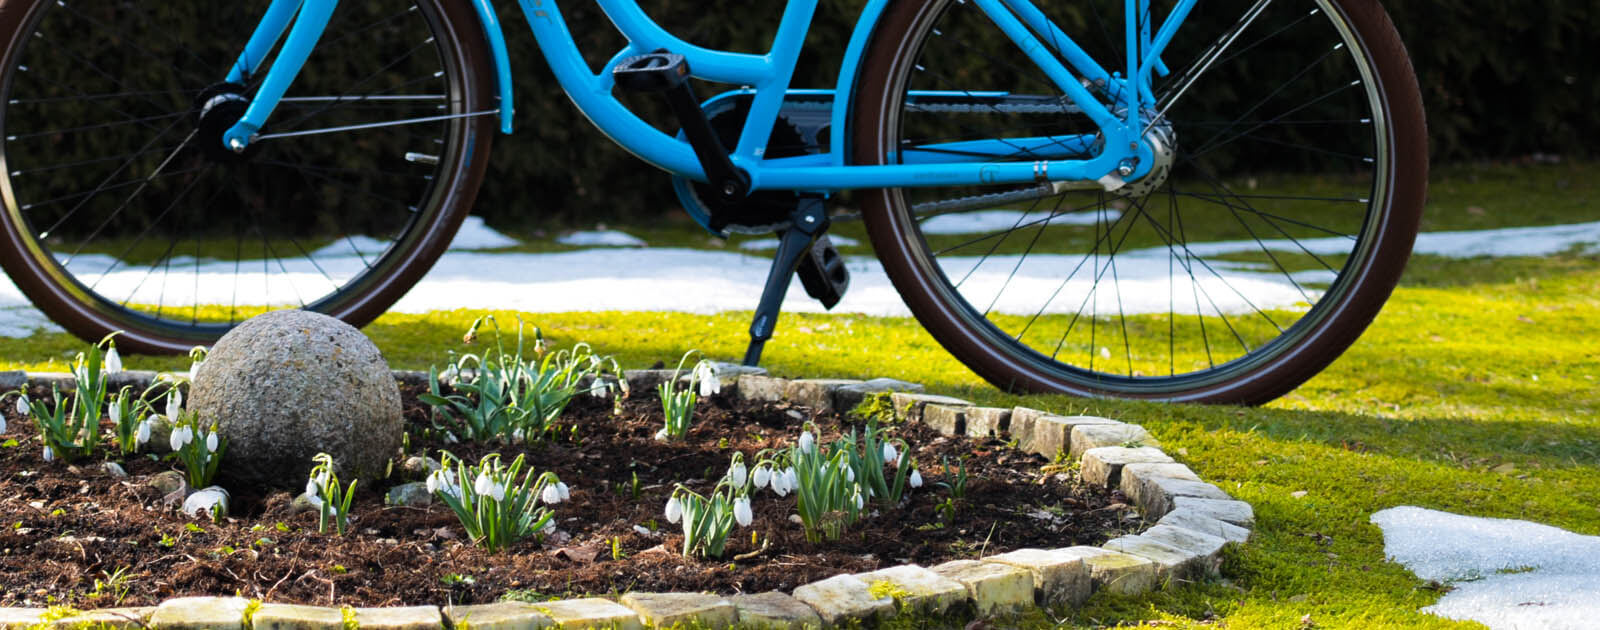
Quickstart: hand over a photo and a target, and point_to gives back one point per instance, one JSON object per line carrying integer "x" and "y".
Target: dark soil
{"x": 65, "y": 530}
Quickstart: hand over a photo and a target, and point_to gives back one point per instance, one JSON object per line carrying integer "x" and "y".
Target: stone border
{"x": 1194, "y": 521}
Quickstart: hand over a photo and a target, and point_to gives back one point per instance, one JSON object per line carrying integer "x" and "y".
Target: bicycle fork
{"x": 309, "y": 18}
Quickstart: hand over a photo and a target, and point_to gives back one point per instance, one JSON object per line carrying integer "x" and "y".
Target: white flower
{"x": 2, "y": 424}
{"x": 551, "y": 494}
{"x": 174, "y": 404}
{"x": 483, "y": 485}
{"x": 762, "y": 475}
{"x": 211, "y": 441}
{"x": 674, "y": 510}
{"x": 142, "y": 435}
{"x": 49, "y": 455}
{"x": 807, "y": 441}
{"x": 860, "y": 501}
{"x": 313, "y": 489}
{"x": 549, "y": 526}
{"x": 207, "y": 501}
{"x": 444, "y": 482}
{"x": 194, "y": 369}
{"x": 566, "y": 493}
{"x": 792, "y": 481}
{"x": 849, "y": 473}
{"x": 707, "y": 375}
{"x": 433, "y": 483}
{"x": 22, "y": 405}
{"x": 498, "y": 491}
{"x": 737, "y": 474}
{"x": 113, "y": 362}
{"x": 181, "y": 436}
{"x": 916, "y": 478}
{"x": 661, "y": 436}
{"x": 889, "y": 454}
{"x": 741, "y": 511}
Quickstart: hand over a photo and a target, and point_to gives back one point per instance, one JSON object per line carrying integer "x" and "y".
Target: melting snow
{"x": 713, "y": 281}
{"x": 772, "y": 243}
{"x": 991, "y": 220}
{"x": 1506, "y": 573}
{"x": 602, "y": 238}
{"x": 474, "y": 234}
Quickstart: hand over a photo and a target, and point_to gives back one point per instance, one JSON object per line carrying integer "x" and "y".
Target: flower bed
{"x": 86, "y": 537}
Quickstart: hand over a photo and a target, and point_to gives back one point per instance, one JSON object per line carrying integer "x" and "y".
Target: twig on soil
{"x": 751, "y": 554}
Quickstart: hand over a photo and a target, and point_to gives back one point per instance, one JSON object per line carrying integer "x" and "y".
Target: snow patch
{"x": 601, "y": 238}
{"x": 1506, "y": 573}
{"x": 474, "y": 234}
{"x": 702, "y": 281}
{"x": 772, "y": 243}
{"x": 993, "y": 220}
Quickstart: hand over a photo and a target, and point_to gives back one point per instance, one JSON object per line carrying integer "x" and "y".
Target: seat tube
{"x": 303, "y": 36}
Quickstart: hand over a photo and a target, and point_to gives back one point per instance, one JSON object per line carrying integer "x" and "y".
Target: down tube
{"x": 591, "y": 93}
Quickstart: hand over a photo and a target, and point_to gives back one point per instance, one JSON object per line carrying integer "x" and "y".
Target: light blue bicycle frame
{"x": 1124, "y": 155}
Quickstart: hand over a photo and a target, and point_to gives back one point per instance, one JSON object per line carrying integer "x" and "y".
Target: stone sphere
{"x": 286, "y": 385}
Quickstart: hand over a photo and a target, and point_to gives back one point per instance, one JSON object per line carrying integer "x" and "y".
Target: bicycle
{"x": 1248, "y": 148}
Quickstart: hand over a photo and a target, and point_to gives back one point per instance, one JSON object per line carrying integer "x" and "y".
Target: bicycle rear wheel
{"x": 120, "y": 214}
{"x": 1299, "y": 168}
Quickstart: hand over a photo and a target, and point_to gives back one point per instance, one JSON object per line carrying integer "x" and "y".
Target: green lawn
{"x": 1474, "y": 392}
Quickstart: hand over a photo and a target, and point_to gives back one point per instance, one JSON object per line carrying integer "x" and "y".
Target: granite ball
{"x": 286, "y": 385}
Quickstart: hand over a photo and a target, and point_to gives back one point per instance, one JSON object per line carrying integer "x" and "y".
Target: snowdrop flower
{"x": 180, "y": 437}
{"x": 207, "y": 501}
{"x": 313, "y": 489}
{"x": 674, "y": 510}
{"x": 113, "y": 362}
{"x": 707, "y": 375}
{"x": 849, "y": 473}
{"x": 174, "y": 404}
{"x": 211, "y": 442}
{"x": 2, "y": 424}
{"x": 551, "y": 494}
{"x": 807, "y": 441}
{"x": 549, "y": 527}
{"x": 860, "y": 502}
{"x": 762, "y": 475}
{"x": 889, "y": 454}
{"x": 22, "y": 405}
{"x": 737, "y": 474}
{"x": 916, "y": 478}
{"x": 194, "y": 369}
{"x": 142, "y": 434}
{"x": 566, "y": 493}
{"x": 49, "y": 455}
{"x": 741, "y": 511}
{"x": 483, "y": 484}
{"x": 780, "y": 484}
{"x": 791, "y": 481}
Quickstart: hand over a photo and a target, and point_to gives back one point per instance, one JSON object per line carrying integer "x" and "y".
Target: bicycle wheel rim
{"x": 1260, "y": 370}
{"x": 285, "y": 211}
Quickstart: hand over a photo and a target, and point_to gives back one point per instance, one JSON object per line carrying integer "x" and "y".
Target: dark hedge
{"x": 1499, "y": 80}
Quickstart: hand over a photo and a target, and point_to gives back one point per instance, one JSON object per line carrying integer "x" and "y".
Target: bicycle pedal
{"x": 823, "y": 274}
{"x": 652, "y": 72}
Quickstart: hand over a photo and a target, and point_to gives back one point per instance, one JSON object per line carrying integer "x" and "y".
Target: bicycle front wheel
{"x": 121, "y": 213}
{"x": 1256, "y": 255}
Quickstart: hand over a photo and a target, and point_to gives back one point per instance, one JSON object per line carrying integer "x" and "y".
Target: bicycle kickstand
{"x": 807, "y": 222}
